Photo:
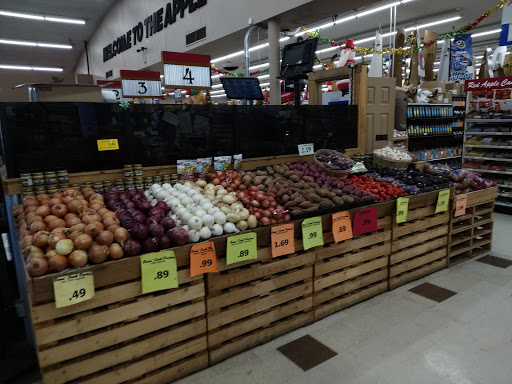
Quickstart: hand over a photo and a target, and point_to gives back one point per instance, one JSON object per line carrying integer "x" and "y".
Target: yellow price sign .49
{"x": 73, "y": 289}
{"x": 159, "y": 271}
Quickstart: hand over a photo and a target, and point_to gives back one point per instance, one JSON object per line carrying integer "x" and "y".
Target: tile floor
{"x": 401, "y": 336}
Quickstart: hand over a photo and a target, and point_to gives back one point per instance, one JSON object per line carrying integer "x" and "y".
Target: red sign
{"x": 365, "y": 220}
{"x": 485, "y": 84}
{"x": 139, "y": 75}
{"x": 109, "y": 83}
{"x": 189, "y": 59}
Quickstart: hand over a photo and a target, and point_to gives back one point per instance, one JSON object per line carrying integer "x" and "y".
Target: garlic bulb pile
{"x": 392, "y": 154}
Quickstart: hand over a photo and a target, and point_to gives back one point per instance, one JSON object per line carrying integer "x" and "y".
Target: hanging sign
{"x": 186, "y": 70}
{"x": 461, "y": 62}
{"x": 283, "y": 241}
{"x": 203, "y": 259}
{"x": 486, "y": 84}
{"x": 241, "y": 248}
{"x": 312, "y": 235}
{"x": 158, "y": 271}
{"x": 341, "y": 226}
{"x": 402, "y": 207}
{"x": 112, "y": 86}
{"x": 73, "y": 289}
{"x": 140, "y": 84}
{"x": 461, "y": 202}
{"x": 306, "y": 149}
{"x": 365, "y": 221}
{"x": 443, "y": 200}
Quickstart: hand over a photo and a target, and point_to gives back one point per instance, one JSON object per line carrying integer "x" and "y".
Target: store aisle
{"x": 460, "y": 335}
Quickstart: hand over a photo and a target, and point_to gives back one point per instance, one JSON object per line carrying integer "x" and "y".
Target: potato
{"x": 305, "y": 204}
{"x": 262, "y": 187}
{"x": 261, "y": 173}
{"x": 300, "y": 199}
{"x": 246, "y": 179}
{"x": 299, "y": 173}
{"x": 285, "y": 199}
{"x": 288, "y": 174}
{"x": 321, "y": 191}
{"x": 315, "y": 197}
{"x": 313, "y": 184}
{"x": 285, "y": 167}
{"x": 295, "y": 178}
{"x": 338, "y": 200}
{"x": 294, "y": 195}
{"x": 308, "y": 179}
{"x": 326, "y": 203}
{"x": 331, "y": 195}
{"x": 257, "y": 180}
{"x": 290, "y": 203}
{"x": 348, "y": 199}
{"x": 337, "y": 191}
{"x": 281, "y": 192}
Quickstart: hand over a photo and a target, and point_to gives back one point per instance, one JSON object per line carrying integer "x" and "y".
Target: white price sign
{"x": 306, "y": 149}
{"x": 111, "y": 88}
{"x": 139, "y": 84}
{"x": 177, "y": 94}
{"x": 186, "y": 70}
{"x": 118, "y": 93}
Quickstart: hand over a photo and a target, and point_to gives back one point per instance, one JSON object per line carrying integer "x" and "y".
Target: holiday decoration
{"x": 347, "y": 55}
{"x": 124, "y": 105}
{"x": 461, "y": 63}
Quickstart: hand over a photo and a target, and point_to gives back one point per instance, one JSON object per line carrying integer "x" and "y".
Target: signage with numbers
{"x": 341, "y": 226}
{"x": 461, "y": 202}
{"x": 203, "y": 259}
{"x": 283, "y": 241}
{"x": 365, "y": 221}
{"x": 241, "y": 248}
{"x": 312, "y": 233}
{"x": 108, "y": 145}
{"x": 402, "y": 208}
{"x": 158, "y": 271}
{"x": 141, "y": 84}
{"x": 113, "y": 86}
{"x": 443, "y": 199}
{"x": 73, "y": 289}
{"x": 186, "y": 70}
{"x": 306, "y": 149}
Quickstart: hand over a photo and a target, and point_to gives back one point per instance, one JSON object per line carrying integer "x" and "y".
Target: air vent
{"x": 195, "y": 36}
{"x": 109, "y": 74}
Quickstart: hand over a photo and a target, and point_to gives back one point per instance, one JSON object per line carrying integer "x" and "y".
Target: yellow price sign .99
{"x": 402, "y": 207}
{"x": 73, "y": 289}
{"x": 312, "y": 233}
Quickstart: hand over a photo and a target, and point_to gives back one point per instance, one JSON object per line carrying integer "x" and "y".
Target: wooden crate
{"x": 471, "y": 234}
{"x": 419, "y": 246}
{"x": 251, "y": 303}
{"x": 121, "y": 335}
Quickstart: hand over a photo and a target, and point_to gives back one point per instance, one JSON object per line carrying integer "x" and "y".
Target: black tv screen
{"x": 298, "y": 58}
{"x": 242, "y": 88}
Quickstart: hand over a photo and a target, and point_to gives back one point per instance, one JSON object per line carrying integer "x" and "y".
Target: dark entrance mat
{"x": 433, "y": 292}
{"x": 307, "y": 352}
{"x": 495, "y": 261}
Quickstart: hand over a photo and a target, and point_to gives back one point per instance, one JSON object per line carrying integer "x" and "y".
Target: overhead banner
{"x": 487, "y": 84}
{"x": 461, "y": 62}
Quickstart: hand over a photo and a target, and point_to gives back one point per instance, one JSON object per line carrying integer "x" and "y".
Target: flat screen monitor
{"x": 298, "y": 58}
{"x": 242, "y": 88}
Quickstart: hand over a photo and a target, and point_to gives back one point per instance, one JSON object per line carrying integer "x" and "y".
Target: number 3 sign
{"x": 186, "y": 70}
{"x": 140, "y": 84}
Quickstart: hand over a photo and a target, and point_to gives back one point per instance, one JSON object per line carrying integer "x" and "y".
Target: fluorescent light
{"x": 317, "y": 66}
{"x": 263, "y": 77}
{"x": 264, "y": 84}
{"x": 61, "y": 46}
{"x": 367, "y": 39}
{"x": 215, "y": 92}
{"x": 29, "y": 68}
{"x": 217, "y": 76}
{"x": 479, "y": 57}
{"x": 327, "y": 50}
{"x": 324, "y": 26}
{"x": 259, "y": 66}
{"x": 239, "y": 53}
{"x": 284, "y": 38}
{"x": 16, "y": 67}
{"x": 486, "y": 33}
{"x": 34, "y": 44}
{"x": 258, "y": 47}
{"x": 42, "y": 18}
{"x": 224, "y": 95}
{"x": 50, "y": 69}
{"x": 217, "y": 86}
{"x": 17, "y": 42}
{"x": 378, "y": 9}
{"x": 433, "y": 23}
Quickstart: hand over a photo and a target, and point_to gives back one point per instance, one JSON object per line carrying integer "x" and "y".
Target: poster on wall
{"x": 461, "y": 62}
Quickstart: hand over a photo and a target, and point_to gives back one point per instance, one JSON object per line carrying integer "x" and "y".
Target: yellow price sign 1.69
{"x": 159, "y": 271}
{"x": 312, "y": 233}
{"x": 73, "y": 289}
{"x": 402, "y": 207}
{"x": 443, "y": 199}
{"x": 241, "y": 248}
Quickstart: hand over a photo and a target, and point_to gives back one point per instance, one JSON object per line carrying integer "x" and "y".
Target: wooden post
{"x": 414, "y": 78}
{"x": 429, "y": 54}
{"x": 398, "y": 58}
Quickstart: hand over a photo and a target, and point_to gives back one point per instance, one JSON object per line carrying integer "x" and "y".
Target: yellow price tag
{"x": 402, "y": 207}
{"x": 312, "y": 235}
{"x": 159, "y": 271}
{"x": 73, "y": 289}
{"x": 443, "y": 199}
{"x": 108, "y": 145}
{"x": 241, "y": 248}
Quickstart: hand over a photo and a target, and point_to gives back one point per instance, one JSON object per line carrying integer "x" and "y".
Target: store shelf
{"x": 489, "y": 133}
{"x": 483, "y": 121}
{"x": 487, "y": 158}
{"x": 497, "y": 202}
{"x": 489, "y": 146}
{"x": 439, "y": 159}
{"x": 504, "y": 186}
{"x": 400, "y": 138}
{"x": 507, "y": 195}
{"x": 488, "y": 171}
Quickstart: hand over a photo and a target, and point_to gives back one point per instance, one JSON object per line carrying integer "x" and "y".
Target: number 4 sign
{"x": 141, "y": 84}
{"x": 186, "y": 70}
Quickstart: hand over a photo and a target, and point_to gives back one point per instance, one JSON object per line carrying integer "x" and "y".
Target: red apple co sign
{"x": 485, "y": 84}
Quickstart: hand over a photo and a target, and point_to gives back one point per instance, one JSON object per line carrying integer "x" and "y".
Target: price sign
{"x": 312, "y": 234}
{"x": 114, "y": 87}
{"x": 73, "y": 289}
{"x": 306, "y": 149}
{"x": 461, "y": 202}
{"x": 158, "y": 271}
{"x": 186, "y": 70}
{"x": 443, "y": 199}
{"x": 141, "y": 84}
{"x": 241, "y": 248}
{"x": 108, "y": 145}
{"x": 402, "y": 207}
{"x": 283, "y": 241}
{"x": 365, "y": 221}
{"x": 203, "y": 259}
{"x": 341, "y": 226}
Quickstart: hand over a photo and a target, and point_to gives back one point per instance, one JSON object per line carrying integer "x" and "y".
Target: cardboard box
{"x": 53, "y": 92}
{"x": 444, "y": 98}
{"x": 439, "y": 85}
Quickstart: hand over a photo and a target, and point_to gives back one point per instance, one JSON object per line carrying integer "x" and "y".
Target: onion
{"x": 114, "y": 189}
{"x": 168, "y": 223}
{"x": 115, "y": 251}
{"x": 54, "y": 201}
{"x": 164, "y": 242}
{"x": 55, "y": 223}
{"x": 37, "y": 266}
{"x": 96, "y": 197}
{"x": 124, "y": 214}
{"x": 37, "y": 226}
{"x": 150, "y": 244}
{"x": 205, "y": 233}
{"x": 230, "y": 228}
{"x": 43, "y": 211}
{"x": 216, "y": 229}
{"x": 76, "y": 206}
{"x": 48, "y": 255}
{"x": 30, "y": 202}
{"x": 30, "y": 219}
{"x": 104, "y": 213}
{"x": 31, "y": 209}
{"x": 139, "y": 231}
{"x": 121, "y": 235}
{"x": 64, "y": 247}
{"x": 70, "y": 192}
{"x": 156, "y": 212}
{"x": 93, "y": 229}
{"x": 154, "y": 220}
{"x": 33, "y": 251}
{"x": 58, "y": 263}
{"x": 59, "y": 210}
{"x": 78, "y": 227}
{"x": 57, "y": 195}
{"x": 178, "y": 235}
{"x": 54, "y": 238}
{"x": 132, "y": 247}
{"x": 73, "y": 221}
{"x": 163, "y": 205}
{"x": 97, "y": 253}
{"x": 96, "y": 205}
{"x": 144, "y": 206}
{"x": 28, "y": 196}
{"x": 88, "y": 193}
{"x": 82, "y": 241}
{"x": 40, "y": 239}
{"x": 26, "y": 241}
{"x": 139, "y": 218}
{"x": 70, "y": 215}
{"x": 193, "y": 236}
{"x": 156, "y": 230}
{"x": 87, "y": 219}
{"x": 113, "y": 228}
{"x": 43, "y": 196}
{"x": 110, "y": 220}
{"x": 105, "y": 238}
{"x": 78, "y": 258}
{"x": 18, "y": 211}
{"x": 127, "y": 223}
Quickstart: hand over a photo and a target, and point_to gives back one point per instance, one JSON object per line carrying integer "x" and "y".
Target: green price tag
{"x": 158, "y": 271}
{"x": 241, "y": 248}
{"x": 443, "y": 199}
{"x": 402, "y": 206}
{"x": 312, "y": 235}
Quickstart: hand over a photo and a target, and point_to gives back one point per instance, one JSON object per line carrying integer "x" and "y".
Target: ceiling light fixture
{"x": 34, "y": 44}
{"x": 219, "y": 95}
{"x": 443, "y": 21}
{"x": 42, "y": 18}
{"x": 30, "y": 68}
{"x": 258, "y": 66}
{"x": 486, "y": 33}
{"x": 367, "y": 39}
{"x": 370, "y": 11}
{"x": 217, "y": 86}
{"x": 264, "y": 84}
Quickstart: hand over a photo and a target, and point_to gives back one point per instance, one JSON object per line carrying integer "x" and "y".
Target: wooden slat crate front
{"x": 257, "y": 301}
{"x": 419, "y": 246}
{"x": 120, "y": 335}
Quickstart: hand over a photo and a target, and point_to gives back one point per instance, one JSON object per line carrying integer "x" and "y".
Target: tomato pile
{"x": 381, "y": 190}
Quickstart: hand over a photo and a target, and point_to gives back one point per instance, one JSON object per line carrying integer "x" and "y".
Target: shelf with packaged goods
{"x": 505, "y": 186}
{"x": 489, "y": 171}
{"x": 507, "y": 195}
{"x": 487, "y": 158}
{"x": 483, "y": 121}
{"x": 489, "y": 133}
{"x": 439, "y": 159}
{"x": 497, "y": 202}
{"x": 489, "y": 146}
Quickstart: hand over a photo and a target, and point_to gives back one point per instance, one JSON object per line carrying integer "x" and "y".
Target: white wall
{"x": 221, "y": 17}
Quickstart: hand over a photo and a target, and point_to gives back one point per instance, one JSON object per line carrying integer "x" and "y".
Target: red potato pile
{"x": 68, "y": 229}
